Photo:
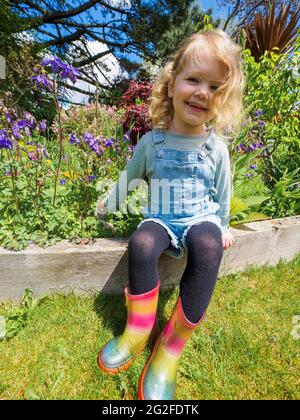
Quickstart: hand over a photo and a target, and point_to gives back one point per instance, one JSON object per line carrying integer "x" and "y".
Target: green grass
{"x": 243, "y": 350}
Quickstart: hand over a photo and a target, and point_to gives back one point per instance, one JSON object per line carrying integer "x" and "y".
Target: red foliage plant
{"x": 136, "y": 116}
{"x": 135, "y": 91}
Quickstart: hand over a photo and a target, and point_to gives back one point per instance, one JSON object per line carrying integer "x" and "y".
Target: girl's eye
{"x": 194, "y": 80}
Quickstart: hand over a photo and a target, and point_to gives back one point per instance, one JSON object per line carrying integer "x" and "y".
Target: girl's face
{"x": 192, "y": 91}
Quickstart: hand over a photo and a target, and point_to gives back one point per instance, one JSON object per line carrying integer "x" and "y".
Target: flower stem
{"x": 60, "y": 143}
{"x": 14, "y": 186}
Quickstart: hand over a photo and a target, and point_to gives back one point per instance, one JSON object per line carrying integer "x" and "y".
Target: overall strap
{"x": 158, "y": 140}
{"x": 157, "y": 136}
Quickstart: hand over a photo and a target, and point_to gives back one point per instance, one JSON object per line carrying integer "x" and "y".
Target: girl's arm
{"x": 223, "y": 187}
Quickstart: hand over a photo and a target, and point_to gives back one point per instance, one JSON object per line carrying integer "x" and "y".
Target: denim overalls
{"x": 179, "y": 192}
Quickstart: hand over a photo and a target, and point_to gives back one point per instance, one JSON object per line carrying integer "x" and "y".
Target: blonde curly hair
{"x": 227, "y": 101}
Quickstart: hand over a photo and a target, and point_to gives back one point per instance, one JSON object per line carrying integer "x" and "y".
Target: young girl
{"x": 188, "y": 172}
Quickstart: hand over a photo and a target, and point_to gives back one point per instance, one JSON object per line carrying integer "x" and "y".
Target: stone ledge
{"x": 102, "y": 265}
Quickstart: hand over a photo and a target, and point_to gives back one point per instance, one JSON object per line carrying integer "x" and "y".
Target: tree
{"x": 130, "y": 31}
{"x": 21, "y": 54}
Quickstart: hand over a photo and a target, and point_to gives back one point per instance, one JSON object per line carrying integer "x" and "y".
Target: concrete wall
{"x": 103, "y": 264}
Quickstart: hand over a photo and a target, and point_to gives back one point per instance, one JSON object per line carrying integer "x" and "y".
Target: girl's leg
{"x": 205, "y": 251}
{"x": 145, "y": 247}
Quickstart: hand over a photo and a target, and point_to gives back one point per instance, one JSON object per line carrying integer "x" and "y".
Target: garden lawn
{"x": 243, "y": 350}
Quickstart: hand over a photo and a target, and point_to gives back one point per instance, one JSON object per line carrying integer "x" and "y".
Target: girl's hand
{"x": 227, "y": 240}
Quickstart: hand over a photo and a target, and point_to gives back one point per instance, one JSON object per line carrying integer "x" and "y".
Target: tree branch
{"x": 63, "y": 40}
{"x": 50, "y": 17}
{"x": 91, "y": 59}
{"x": 231, "y": 15}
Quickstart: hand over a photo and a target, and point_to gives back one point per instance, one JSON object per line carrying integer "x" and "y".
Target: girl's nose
{"x": 202, "y": 91}
{"x": 202, "y": 94}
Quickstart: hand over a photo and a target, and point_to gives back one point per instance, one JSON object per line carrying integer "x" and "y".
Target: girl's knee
{"x": 141, "y": 240}
{"x": 205, "y": 235}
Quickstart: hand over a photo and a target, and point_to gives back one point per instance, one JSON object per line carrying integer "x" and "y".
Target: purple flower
{"x": 241, "y": 147}
{"x": 96, "y": 148}
{"x": 89, "y": 139}
{"x": 258, "y": 113}
{"x": 251, "y": 148}
{"x": 5, "y": 142}
{"x": 8, "y": 117}
{"x": 253, "y": 166}
{"x": 93, "y": 143}
{"x": 27, "y": 131}
{"x": 41, "y": 151}
{"x": 42, "y": 126}
{"x": 29, "y": 119}
{"x": 23, "y": 124}
{"x": 126, "y": 136}
{"x": 100, "y": 151}
{"x": 249, "y": 175}
{"x": 42, "y": 81}
{"x": 69, "y": 72}
{"x": 108, "y": 143}
{"x": 32, "y": 156}
{"x": 74, "y": 139}
{"x": 91, "y": 178}
{"x": 62, "y": 182}
{"x": 55, "y": 62}
{"x": 261, "y": 123}
{"x": 16, "y": 131}
{"x": 57, "y": 65}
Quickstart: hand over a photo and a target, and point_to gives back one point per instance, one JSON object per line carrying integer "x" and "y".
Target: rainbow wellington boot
{"x": 119, "y": 353}
{"x": 158, "y": 379}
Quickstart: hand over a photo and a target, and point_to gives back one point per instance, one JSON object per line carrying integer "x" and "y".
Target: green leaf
{"x": 236, "y": 205}
{"x": 251, "y": 217}
{"x": 255, "y": 200}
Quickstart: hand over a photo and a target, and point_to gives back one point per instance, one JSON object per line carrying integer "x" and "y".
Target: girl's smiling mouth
{"x": 196, "y": 107}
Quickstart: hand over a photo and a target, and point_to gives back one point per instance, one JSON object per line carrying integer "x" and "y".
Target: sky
{"x": 212, "y": 4}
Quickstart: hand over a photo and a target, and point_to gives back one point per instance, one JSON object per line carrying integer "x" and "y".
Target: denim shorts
{"x": 178, "y": 230}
